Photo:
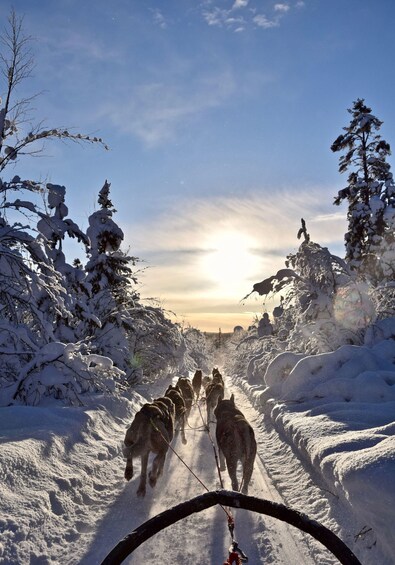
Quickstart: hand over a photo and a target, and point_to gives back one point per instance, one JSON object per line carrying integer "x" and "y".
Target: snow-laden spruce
{"x": 370, "y": 193}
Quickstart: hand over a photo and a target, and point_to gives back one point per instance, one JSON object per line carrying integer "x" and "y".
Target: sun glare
{"x": 229, "y": 260}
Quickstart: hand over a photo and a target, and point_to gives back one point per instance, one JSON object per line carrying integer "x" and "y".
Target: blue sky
{"x": 219, "y": 117}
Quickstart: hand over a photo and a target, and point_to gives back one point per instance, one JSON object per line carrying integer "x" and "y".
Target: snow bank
{"x": 58, "y": 466}
{"x": 338, "y": 410}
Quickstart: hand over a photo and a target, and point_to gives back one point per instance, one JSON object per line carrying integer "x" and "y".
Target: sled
{"x": 234, "y": 500}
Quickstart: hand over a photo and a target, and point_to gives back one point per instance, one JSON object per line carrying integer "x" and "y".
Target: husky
{"x": 206, "y": 380}
{"x": 236, "y": 442}
{"x": 214, "y": 391}
{"x": 175, "y": 394}
{"x": 187, "y": 392}
{"x": 217, "y": 377}
{"x": 151, "y": 430}
{"x": 197, "y": 382}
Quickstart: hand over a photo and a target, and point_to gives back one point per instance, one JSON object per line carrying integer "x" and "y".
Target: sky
{"x": 219, "y": 117}
{"x": 64, "y": 498}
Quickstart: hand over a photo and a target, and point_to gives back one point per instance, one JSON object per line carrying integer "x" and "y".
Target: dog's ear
{"x": 232, "y": 399}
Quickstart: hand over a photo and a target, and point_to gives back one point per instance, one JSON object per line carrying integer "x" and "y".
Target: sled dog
{"x": 206, "y": 380}
{"x": 175, "y": 394}
{"x": 151, "y": 430}
{"x": 197, "y": 382}
{"x": 187, "y": 392}
{"x": 214, "y": 391}
{"x": 217, "y": 377}
{"x": 236, "y": 442}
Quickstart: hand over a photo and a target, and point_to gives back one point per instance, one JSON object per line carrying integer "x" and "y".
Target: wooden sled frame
{"x": 235, "y": 500}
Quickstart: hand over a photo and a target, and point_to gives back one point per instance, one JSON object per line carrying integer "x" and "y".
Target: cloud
{"x": 224, "y": 17}
{"x": 284, "y": 8}
{"x": 215, "y": 17}
{"x": 253, "y": 212}
{"x": 84, "y": 47}
{"x": 159, "y": 19}
{"x": 186, "y": 227}
{"x": 156, "y": 111}
{"x": 180, "y": 244}
{"x": 263, "y": 22}
{"x": 240, "y": 4}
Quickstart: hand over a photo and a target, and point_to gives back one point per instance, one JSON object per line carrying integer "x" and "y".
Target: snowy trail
{"x": 203, "y": 537}
{"x": 286, "y": 544}
{"x": 283, "y": 543}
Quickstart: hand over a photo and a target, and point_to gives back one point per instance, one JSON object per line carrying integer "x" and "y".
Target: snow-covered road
{"x": 204, "y": 537}
{"x": 64, "y": 498}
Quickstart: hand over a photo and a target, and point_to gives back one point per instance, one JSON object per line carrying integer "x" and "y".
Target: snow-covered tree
{"x": 198, "y": 349}
{"x": 65, "y": 372}
{"x": 33, "y": 296}
{"x": 157, "y": 345}
{"x": 265, "y": 327}
{"x": 322, "y": 305}
{"x": 32, "y": 280}
{"x": 26, "y": 275}
{"x": 112, "y": 281}
{"x": 53, "y": 226}
{"x": 370, "y": 193}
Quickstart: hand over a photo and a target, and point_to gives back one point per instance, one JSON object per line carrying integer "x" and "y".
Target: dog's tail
{"x": 248, "y": 466}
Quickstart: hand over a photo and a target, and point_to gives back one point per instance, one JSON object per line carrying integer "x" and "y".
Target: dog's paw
{"x": 152, "y": 480}
{"x": 128, "y": 474}
{"x": 141, "y": 491}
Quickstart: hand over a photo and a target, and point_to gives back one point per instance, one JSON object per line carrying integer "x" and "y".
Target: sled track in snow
{"x": 284, "y": 543}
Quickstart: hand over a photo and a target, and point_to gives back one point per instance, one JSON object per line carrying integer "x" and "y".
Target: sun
{"x": 229, "y": 260}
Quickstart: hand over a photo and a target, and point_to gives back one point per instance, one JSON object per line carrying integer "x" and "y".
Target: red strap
{"x": 233, "y": 559}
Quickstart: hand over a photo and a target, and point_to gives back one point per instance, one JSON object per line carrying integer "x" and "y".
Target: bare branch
{"x": 16, "y": 65}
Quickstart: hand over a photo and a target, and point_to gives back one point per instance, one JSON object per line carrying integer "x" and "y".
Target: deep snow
{"x": 64, "y": 498}
{"x": 338, "y": 411}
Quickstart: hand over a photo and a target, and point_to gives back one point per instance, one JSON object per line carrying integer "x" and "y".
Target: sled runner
{"x": 234, "y": 500}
